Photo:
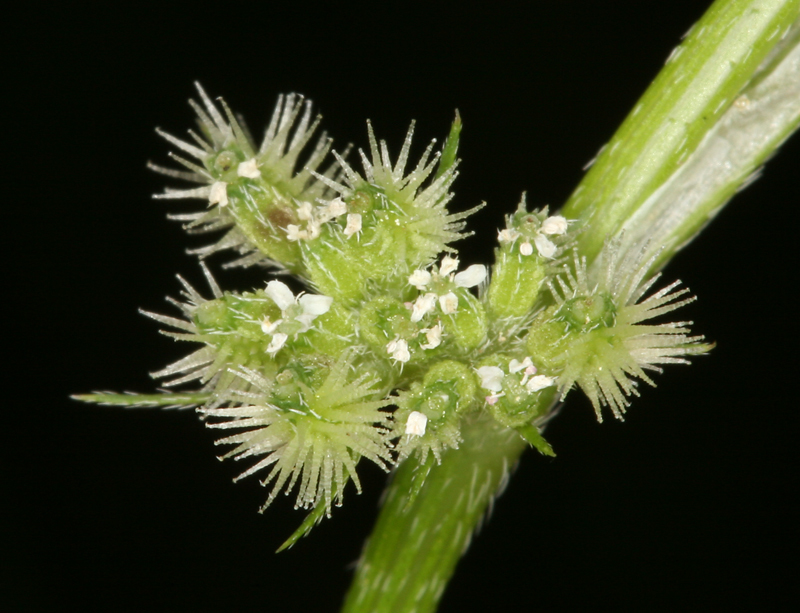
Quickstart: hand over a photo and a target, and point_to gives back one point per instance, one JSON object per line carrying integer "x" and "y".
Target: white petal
{"x": 398, "y": 349}
{"x": 448, "y": 303}
{"x": 554, "y": 225}
{"x": 539, "y": 382}
{"x": 448, "y": 265}
{"x": 416, "y": 423}
{"x": 304, "y": 210}
{"x": 434, "y": 336}
{"x": 294, "y": 233}
{"x": 507, "y": 235}
{"x": 269, "y": 327}
{"x": 419, "y": 278}
{"x": 218, "y": 194}
{"x": 515, "y": 366}
{"x": 491, "y": 378}
{"x": 249, "y": 169}
{"x": 314, "y": 229}
{"x": 545, "y": 248}
{"x": 336, "y": 207}
{"x": 278, "y": 341}
{"x": 471, "y": 277}
{"x": 422, "y": 306}
{"x": 306, "y": 319}
{"x": 526, "y": 248}
{"x": 315, "y": 304}
{"x": 280, "y": 294}
{"x": 353, "y": 224}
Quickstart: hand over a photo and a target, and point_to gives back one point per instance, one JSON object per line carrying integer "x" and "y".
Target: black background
{"x": 686, "y": 505}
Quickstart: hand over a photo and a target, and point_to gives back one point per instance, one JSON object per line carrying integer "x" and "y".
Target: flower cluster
{"x": 250, "y": 190}
{"x": 297, "y": 313}
{"x": 393, "y": 347}
{"x": 313, "y": 218}
{"x": 530, "y": 250}
{"x": 438, "y": 300}
{"x": 527, "y": 232}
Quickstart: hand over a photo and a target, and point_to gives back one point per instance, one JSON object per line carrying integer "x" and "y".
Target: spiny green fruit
{"x": 529, "y": 245}
{"x": 313, "y": 424}
{"x": 255, "y": 192}
{"x": 395, "y": 222}
{"x": 606, "y": 344}
{"x": 429, "y": 413}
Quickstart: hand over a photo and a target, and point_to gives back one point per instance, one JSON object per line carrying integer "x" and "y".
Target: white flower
{"x": 336, "y": 207}
{"x": 314, "y": 229}
{"x": 507, "y": 235}
{"x": 419, "y": 279}
{"x": 448, "y": 303}
{"x": 353, "y": 224}
{"x": 310, "y": 305}
{"x": 294, "y": 233}
{"x": 332, "y": 210}
{"x": 422, "y": 306}
{"x": 526, "y": 248}
{"x": 448, "y": 265}
{"x": 434, "y": 336}
{"x": 398, "y": 349}
{"x": 415, "y": 424}
{"x": 554, "y": 225}
{"x": 280, "y": 294}
{"x": 315, "y": 304}
{"x": 218, "y": 194}
{"x": 305, "y": 211}
{"x": 471, "y": 277}
{"x": 269, "y": 327}
{"x": 278, "y": 341}
{"x": 545, "y": 248}
{"x": 539, "y": 382}
{"x": 249, "y": 169}
{"x": 514, "y": 366}
{"x": 491, "y": 378}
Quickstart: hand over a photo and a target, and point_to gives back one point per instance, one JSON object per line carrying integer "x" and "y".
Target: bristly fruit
{"x": 397, "y": 347}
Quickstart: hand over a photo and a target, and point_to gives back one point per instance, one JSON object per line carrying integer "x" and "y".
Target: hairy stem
{"x": 727, "y": 97}
{"x": 414, "y": 547}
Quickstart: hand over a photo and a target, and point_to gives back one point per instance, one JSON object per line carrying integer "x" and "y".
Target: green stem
{"x": 674, "y": 131}
{"x": 414, "y": 547}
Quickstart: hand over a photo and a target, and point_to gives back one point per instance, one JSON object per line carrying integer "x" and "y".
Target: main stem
{"x": 414, "y": 548}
